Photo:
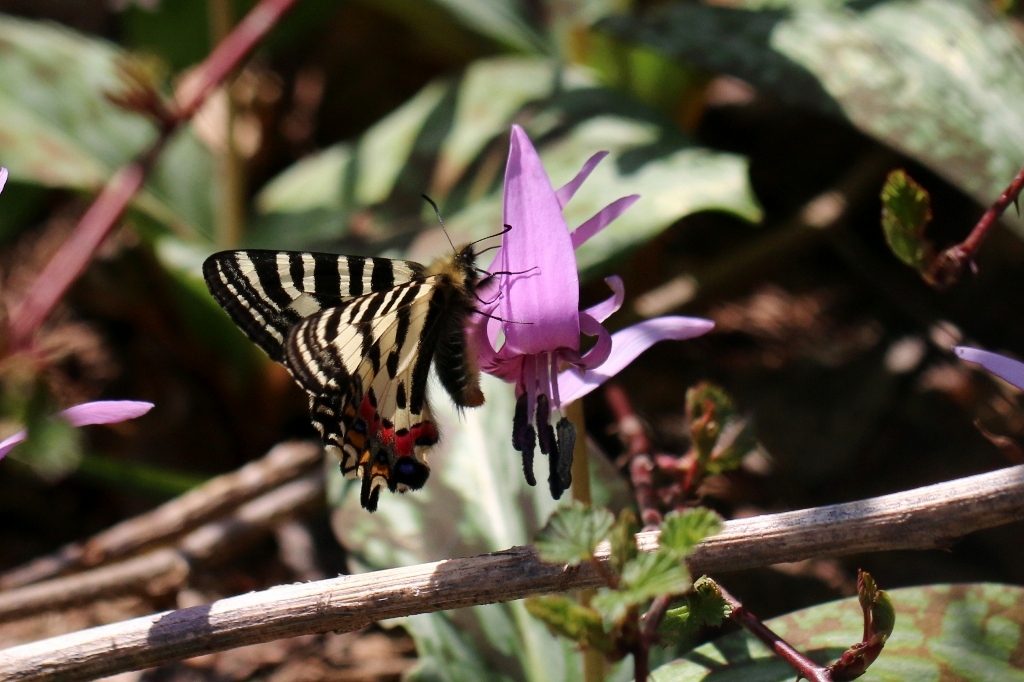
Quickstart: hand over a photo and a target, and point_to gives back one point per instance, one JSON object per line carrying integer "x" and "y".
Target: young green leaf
{"x": 643, "y": 578}
{"x": 570, "y": 619}
{"x": 704, "y": 607}
{"x": 906, "y": 212}
{"x": 572, "y": 533}
{"x": 680, "y": 532}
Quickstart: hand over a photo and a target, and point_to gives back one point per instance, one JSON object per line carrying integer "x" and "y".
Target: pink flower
{"x": 1003, "y": 367}
{"x": 536, "y": 307}
{"x": 86, "y": 414}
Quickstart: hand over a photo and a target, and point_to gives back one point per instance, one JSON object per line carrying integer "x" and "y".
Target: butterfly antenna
{"x": 437, "y": 212}
{"x": 490, "y": 236}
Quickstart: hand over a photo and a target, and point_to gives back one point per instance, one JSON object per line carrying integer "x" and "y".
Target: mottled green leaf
{"x": 906, "y": 212}
{"x": 572, "y": 533}
{"x": 969, "y": 633}
{"x": 940, "y": 80}
{"x": 57, "y": 128}
{"x": 567, "y": 618}
{"x": 681, "y": 531}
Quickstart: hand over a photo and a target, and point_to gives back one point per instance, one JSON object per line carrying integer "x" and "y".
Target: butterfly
{"x": 359, "y": 334}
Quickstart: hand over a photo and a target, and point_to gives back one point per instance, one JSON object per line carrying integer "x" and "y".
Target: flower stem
{"x": 803, "y": 665}
{"x": 74, "y": 255}
{"x": 593, "y": 661}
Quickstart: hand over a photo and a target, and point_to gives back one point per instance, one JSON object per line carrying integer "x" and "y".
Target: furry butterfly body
{"x": 359, "y": 336}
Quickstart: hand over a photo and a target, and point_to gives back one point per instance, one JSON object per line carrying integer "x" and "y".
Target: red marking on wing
{"x": 401, "y": 442}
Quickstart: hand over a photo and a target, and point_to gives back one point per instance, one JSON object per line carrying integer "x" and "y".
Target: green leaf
{"x": 704, "y": 607}
{"x": 450, "y": 142}
{"x": 499, "y": 20}
{"x": 446, "y": 653}
{"x": 959, "y": 109}
{"x": 680, "y": 532}
{"x": 572, "y": 533}
{"x": 720, "y": 437}
{"x": 57, "y": 128}
{"x": 568, "y": 618}
{"x": 906, "y": 212}
{"x": 623, "y": 540}
{"x": 969, "y": 633}
{"x": 648, "y": 576}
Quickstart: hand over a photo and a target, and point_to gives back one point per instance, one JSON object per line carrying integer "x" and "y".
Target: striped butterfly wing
{"x": 365, "y": 364}
{"x": 266, "y": 293}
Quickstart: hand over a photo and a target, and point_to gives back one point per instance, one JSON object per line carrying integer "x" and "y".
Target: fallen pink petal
{"x": 1003, "y": 367}
{"x": 88, "y": 414}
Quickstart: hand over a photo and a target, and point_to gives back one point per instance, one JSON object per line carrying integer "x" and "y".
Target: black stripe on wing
{"x": 266, "y": 293}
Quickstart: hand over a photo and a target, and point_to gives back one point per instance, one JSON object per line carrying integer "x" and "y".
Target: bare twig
{"x": 924, "y": 518}
{"x": 175, "y": 518}
{"x": 781, "y": 648}
{"x": 948, "y": 266}
{"x": 74, "y": 255}
{"x": 166, "y": 570}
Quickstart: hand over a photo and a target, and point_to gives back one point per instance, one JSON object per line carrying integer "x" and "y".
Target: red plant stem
{"x": 949, "y": 265}
{"x": 74, "y": 255}
{"x": 803, "y": 665}
{"x": 638, "y": 451}
{"x": 988, "y": 219}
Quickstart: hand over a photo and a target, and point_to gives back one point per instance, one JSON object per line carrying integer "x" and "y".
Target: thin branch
{"x": 924, "y": 518}
{"x": 638, "y": 452}
{"x": 74, "y": 255}
{"x": 948, "y": 266}
{"x": 214, "y": 498}
{"x": 780, "y": 647}
{"x": 167, "y": 570}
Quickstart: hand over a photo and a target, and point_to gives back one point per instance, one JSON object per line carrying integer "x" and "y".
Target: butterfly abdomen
{"x": 454, "y": 301}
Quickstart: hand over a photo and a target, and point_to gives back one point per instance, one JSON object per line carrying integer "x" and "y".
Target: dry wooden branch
{"x": 917, "y": 519}
{"x": 166, "y": 570}
{"x": 162, "y": 525}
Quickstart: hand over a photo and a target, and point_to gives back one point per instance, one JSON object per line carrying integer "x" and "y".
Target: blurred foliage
{"x": 957, "y": 632}
{"x": 949, "y": 93}
{"x": 59, "y": 130}
{"x": 451, "y": 139}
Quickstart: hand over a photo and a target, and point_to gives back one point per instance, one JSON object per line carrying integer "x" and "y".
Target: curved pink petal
{"x": 566, "y": 191}
{"x": 542, "y": 304}
{"x": 9, "y": 444}
{"x": 601, "y": 219}
{"x": 3, "y": 182}
{"x": 1003, "y": 367}
{"x": 626, "y": 346}
{"x": 605, "y": 308}
{"x": 86, "y": 414}
{"x": 105, "y": 412}
{"x": 597, "y": 355}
